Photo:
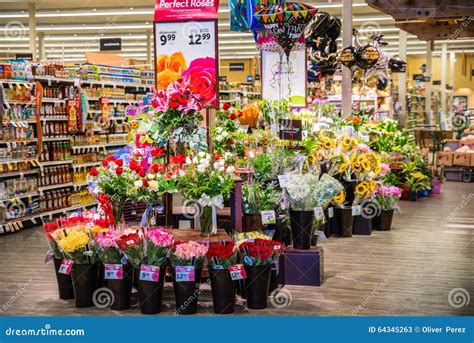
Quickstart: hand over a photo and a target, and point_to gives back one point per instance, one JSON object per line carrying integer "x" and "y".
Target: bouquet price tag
{"x": 268, "y": 217}
{"x": 331, "y": 212}
{"x": 184, "y": 273}
{"x": 319, "y": 214}
{"x": 321, "y": 235}
{"x": 113, "y": 271}
{"x": 237, "y": 272}
{"x": 149, "y": 273}
{"x": 283, "y": 180}
{"x": 356, "y": 211}
{"x": 65, "y": 267}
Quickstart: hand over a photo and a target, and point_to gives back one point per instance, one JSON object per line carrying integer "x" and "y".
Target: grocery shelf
{"x": 59, "y": 185}
{"x": 57, "y": 139}
{"x": 54, "y": 100}
{"x": 54, "y": 119}
{"x": 54, "y": 163}
{"x": 84, "y": 165}
{"x": 20, "y": 82}
{"x": 81, "y": 184}
{"x": 20, "y": 196}
{"x": 92, "y": 146}
{"x": 19, "y": 142}
{"x": 52, "y": 78}
{"x": 19, "y": 173}
{"x": 18, "y": 160}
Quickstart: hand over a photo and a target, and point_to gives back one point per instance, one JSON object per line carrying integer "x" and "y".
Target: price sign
{"x": 184, "y": 273}
{"x": 283, "y": 180}
{"x": 319, "y": 213}
{"x": 268, "y": 217}
{"x": 356, "y": 210}
{"x": 331, "y": 212}
{"x": 237, "y": 272}
{"x": 65, "y": 267}
{"x": 183, "y": 45}
{"x": 113, "y": 271}
{"x": 149, "y": 273}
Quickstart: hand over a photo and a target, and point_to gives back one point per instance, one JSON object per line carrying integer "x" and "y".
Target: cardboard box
{"x": 472, "y": 160}
{"x": 462, "y": 159}
{"x": 444, "y": 158}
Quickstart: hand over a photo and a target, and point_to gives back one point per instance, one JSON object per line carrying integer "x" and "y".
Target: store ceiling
{"x": 73, "y": 27}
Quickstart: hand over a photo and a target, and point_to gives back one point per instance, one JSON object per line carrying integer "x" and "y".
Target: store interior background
{"x": 65, "y": 30}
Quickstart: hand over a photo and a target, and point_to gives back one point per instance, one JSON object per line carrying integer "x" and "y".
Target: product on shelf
{"x": 55, "y": 200}
{"x": 18, "y": 112}
{"x": 50, "y": 68}
{"x": 54, "y": 176}
{"x": 18, "y": 187}
{"x": 17, "y": 132}
{"x": 23, "y": 208}
{"x": 17, "y": 152}
{"x": 56, "y": 151}
{"x": 55, "y": 129}
{"x": 18, "y": 93}
{"x": 82, "y": 197}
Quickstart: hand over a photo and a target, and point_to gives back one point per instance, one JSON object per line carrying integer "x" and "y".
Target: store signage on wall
{"x": 257, "y": 77}
{"x": 282, "y": 79}
{"x": 185, "y": 10}
{"x": 223, "y": 78}
{"x": 110, "y": 44}
{"x": 236, "y": 66}
{"x": 402, "y": 69}
{"x": 187, "y": 50}
{"x": 421, "y": 77}
{"x": 291, "y": 130}
{"x": 436, "y": 82}
{"x": 25, "y": 57}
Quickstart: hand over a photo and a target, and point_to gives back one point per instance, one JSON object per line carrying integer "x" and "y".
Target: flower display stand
{"x": 302, "y": 267}
{"x": 195, "y": 235}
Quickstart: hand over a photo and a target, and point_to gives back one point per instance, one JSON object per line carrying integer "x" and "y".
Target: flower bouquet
{"x": 258, "y": 257}
{"x": 151, "y": 277}
{"x": 258, "y": 197}
{"x": 222, "y": 259}
{"x": 386, "y": 198}
{"x": 187, "y": 260}
{"x": 206, "y": 181}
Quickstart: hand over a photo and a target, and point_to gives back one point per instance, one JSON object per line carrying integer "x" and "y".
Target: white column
{"x": 402, "y": 79}
{"x": 32, "y": 28}
{"x": 444, "y": 77}
{"x": 41, "y": 46}
{"x": 428, "y": 119}
{"x": 148, "y": 49}
{"x": 452, "y": 59}
{"x": 346, "y": 105}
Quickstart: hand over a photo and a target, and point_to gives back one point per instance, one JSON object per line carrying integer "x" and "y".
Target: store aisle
{"x": 410, "y": 270}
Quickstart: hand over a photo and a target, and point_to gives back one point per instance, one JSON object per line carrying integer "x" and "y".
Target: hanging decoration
{"x": 239, "y": 20}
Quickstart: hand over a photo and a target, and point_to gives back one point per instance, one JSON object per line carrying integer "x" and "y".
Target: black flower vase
{"x": 223, "y": 291}
{"x": 122, "y": 289}
{"x": 151, "y": 293}
{"x": 349, "y": 189}
{"x": 362, "y": 226}
{"x": 257, "y": 285}
{"x": 186, "y": 293}
{"x": 412, "y": 196}
{"x": 345, "y": 221}
{"x": 383, "y": 221}
{"x": 84, "y": 281}
{"x": 301, "y": 228}
{"x": 252, "y": 222}
{"x": 65, "y": 289}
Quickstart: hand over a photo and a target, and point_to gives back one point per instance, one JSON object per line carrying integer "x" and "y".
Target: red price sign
{"x": 65, "y": 267}
{"x": 237, "y": 272}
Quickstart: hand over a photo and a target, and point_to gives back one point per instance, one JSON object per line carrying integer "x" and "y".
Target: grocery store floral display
{"x": 258, "y": 256}
{"x": 386, "y": 198}
{"x": 206, "y": 181}
{"x": 151, "y": 275}
{"x": 187, "y": 260}
{"x": 258, "y": 197}
{"x": 222, "y": 259}
{"x": 224, "y": 133}
{"x": 415, "y": 182}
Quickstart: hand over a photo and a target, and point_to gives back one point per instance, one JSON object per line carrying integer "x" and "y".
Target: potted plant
{"x": 151, "y": 278}
{"x": 258, "y": 257}
{"x": 80, "y": 262}
{"x": 187, "y": 260}
{"x": 117, "y": 274}
{"x": 257, "y": 198}
{"x": 207, "y": 181}
{"x": 64, "y": 281}
{"x": 386, "y": 197}
{"x": 415, "y": 182}
{"x": 222, "y": 257}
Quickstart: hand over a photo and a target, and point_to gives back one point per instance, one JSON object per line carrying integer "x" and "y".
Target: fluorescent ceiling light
{"x": 13, "y": 15}
{"x": 91, "y": 13}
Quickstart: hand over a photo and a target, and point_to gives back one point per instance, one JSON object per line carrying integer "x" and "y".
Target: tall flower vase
{"x": 121, "y": 289}
{"x": 301, "y": 223}
{"x": 186, "y": 293}
{"x": 64, "y": 281}
{"x": 345, "y": 221}
{"x": 257, "y": 285}
{"x": 117, "y": 208}
{"x": 223, "y": 291}
{"x": 205, "y": 218}
{"x": 84, "y": 281}
{"x": 151, "y": 293}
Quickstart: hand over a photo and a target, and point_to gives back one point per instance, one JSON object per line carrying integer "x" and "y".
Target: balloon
{"x": 366, "y": 56}
{"x": 396, "y": 64}
{"x": 317, "y": 25}
{"x": 347, "y": 57}
{"x": 267, "y": 42}
{"x": 251, "y": 7}
{"x": 286, "y": 22}
{"x": 238, "y": 16}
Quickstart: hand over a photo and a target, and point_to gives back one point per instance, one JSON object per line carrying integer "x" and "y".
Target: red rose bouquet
{"x": 260, "y": 251}
{"x": 131, "y": 244}
{"x": 222, "y": 255}
{"x": 50, "y": 228}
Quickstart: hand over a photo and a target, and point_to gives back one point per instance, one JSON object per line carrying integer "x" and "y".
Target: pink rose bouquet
{"x": 189, "y": 254}
{"x": 107, "y": 247}
{"x": 158, "y": 245}
{"x": 387, "y": 196}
